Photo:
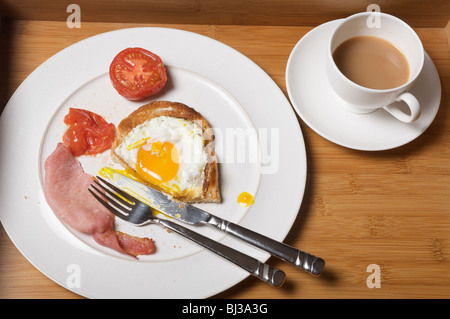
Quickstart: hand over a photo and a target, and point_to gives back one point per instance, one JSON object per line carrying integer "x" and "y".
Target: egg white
{"x": 186, "y": 136}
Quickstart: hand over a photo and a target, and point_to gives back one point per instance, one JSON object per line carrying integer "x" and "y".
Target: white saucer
{"x": 319, "y": 107}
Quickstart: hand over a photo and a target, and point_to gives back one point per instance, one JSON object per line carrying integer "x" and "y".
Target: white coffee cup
{"x": 360, "y": 99}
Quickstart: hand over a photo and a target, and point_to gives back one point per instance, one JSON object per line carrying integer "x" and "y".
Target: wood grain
{"x": 389, "y": 208}
{"x": 432, "y": 13}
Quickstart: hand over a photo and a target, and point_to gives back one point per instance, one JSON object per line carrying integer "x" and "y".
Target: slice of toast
{"x": 210, "y": 191}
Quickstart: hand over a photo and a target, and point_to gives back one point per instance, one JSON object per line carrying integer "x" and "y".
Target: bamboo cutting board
{"x": 368, "y": 214}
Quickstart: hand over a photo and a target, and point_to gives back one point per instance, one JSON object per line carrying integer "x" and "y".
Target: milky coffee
{"x": 372, "y": 62}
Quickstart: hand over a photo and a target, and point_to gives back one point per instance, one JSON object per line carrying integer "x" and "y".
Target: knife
{"x": 194, "y": 215}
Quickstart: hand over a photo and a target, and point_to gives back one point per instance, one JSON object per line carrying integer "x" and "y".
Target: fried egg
{"x": 167, "y": 152}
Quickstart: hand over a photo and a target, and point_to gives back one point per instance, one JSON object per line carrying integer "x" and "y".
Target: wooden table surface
{"x": 387, "y": 208}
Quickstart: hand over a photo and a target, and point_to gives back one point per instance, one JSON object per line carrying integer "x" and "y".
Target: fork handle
{"x": 305, "y": 261}
{"x": 273, "y": 276}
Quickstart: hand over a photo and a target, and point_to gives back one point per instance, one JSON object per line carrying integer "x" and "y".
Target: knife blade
{"x": 193, "y": 215}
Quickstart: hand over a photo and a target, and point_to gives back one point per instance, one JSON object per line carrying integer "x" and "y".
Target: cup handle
{"x": 413, "y": 104}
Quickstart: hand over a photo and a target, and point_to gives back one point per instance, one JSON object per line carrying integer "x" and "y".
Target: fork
{"x": 135, "y": 212}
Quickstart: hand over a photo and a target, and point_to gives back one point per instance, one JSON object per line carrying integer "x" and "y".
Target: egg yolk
{"x": 158, "y": 163}
{"x": 245, "y": 199}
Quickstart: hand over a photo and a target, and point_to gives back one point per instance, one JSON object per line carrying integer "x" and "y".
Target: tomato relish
{"x": 87, "y": 133}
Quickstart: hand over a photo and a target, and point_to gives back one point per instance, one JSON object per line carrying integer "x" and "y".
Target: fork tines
{"x": 114, "y": 199}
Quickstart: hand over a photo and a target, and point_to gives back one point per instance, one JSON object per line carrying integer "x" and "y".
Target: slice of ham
{"x": 125, "y": 243}
{"x": 66, "y": 191}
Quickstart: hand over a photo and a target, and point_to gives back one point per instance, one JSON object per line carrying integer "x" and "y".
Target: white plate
{"x": 230, "y": 90}
{"x": 317, "y": 105}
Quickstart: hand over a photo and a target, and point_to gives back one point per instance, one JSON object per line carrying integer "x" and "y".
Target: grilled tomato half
{"x": 137, "y": 73}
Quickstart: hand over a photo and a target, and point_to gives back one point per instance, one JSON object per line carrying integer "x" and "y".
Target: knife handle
{"x": 270, "y": 275}
{"x": 305, "y": 261}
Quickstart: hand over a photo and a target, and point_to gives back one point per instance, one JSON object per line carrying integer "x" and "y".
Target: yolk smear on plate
{"x": 106, "y": 173}
{"x": 245, "y": 199}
